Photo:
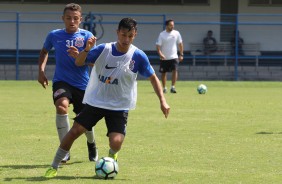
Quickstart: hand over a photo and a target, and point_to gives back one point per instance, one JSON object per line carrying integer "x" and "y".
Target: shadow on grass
{"x": 269, "y": 133}
{"x": 41, "y": 178}
{"x": 24, "y": 166}
{"x": 33, "y": 166}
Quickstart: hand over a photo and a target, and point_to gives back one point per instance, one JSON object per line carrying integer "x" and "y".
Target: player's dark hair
{"x": 168, "y": 21}
{"x": 73, "y": 7}
{"x": 127, "y": 23}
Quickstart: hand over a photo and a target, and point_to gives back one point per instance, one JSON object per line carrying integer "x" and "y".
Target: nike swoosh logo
{"x": 110, "y": 67}
{"x": 59, "y": 128}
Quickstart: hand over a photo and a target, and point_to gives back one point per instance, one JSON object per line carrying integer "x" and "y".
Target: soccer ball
{"x": 106, "y": 168}
{"x": 202, "y": 89}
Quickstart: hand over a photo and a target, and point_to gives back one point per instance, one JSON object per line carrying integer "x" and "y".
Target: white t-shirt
{"x": 168, "y": 42}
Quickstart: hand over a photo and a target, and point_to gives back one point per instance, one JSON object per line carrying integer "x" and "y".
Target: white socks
{"x": 63, "y": 125}
{"x": 90, "y": 136}
{"x": 60, "y": 154}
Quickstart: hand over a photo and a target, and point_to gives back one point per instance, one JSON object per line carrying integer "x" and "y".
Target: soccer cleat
{"x": 67, "y": 158}
{"x": 51, "y": 173}
{"x": 172, "y": 90}
{"x": 92, "y": 152}
{"x": 114, "y": 156}
{"x": 164, "y": 91}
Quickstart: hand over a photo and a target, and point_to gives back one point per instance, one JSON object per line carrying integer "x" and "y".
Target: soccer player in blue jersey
{"x": 112, "y": 89}
{"x": 69, "y": 81}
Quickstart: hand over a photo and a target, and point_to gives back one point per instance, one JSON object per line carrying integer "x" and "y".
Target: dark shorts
{"x": 168, "y": 65}
{"x": 75, "y": 95}
{"x": 116, "y": 121}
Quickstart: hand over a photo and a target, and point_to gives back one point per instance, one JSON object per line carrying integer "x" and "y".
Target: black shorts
{"x": 75, "y": 95}
{"x": 116, "y": 121}
{"x": 168, "y": 65}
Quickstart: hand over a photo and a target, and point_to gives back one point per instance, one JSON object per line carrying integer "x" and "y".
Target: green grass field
{"x": 232, "y": 134}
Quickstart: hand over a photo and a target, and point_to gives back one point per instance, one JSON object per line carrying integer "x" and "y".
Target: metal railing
{"x": 185, "y": 22}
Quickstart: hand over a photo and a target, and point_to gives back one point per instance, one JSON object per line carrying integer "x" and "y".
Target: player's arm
{"x": 158, "y": 90}
{"x": 80, "y": 59}
{"x": 181, "y": 50}
{"x": 42, "y": 61}
{"x": 73, "y": 51}
{"x": 162, "y": 57}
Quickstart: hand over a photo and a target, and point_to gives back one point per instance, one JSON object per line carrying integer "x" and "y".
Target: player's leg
{"x": 174, "y": 67}
{"x": 162, "y": 70}
{"x": 62, "y": 121}
{"x": 163, "y": 77}
{"x": 173, "y": 81}
{"x": 91, "y": 145}
{"x": 64, "y": 148}
{"x": 61, "y": 95}
{"x": 115, "y": 143}
{"x": 89, "y": 133}
{"x": 88, "y": 118}
{"x": 116, "y": 124}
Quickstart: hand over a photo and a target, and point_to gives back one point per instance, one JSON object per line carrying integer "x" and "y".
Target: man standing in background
{"x": 167, "y": 44}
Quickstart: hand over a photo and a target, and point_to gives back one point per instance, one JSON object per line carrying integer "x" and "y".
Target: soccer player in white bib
{"x": 112, "y": 89}
{"x": 69, "y": 81}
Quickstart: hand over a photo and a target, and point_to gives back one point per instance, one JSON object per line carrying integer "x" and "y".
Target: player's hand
{"x": 90, "y": 43}
{"x": 73, "y": 51}
{"x": 42, "y": 79}
{"x": 165, "y": 108}
{"x": 162, "y": 57}
{"x": 180, "y": 58}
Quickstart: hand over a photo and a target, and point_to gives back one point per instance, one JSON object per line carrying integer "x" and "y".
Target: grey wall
{"x": 33, "y": 35}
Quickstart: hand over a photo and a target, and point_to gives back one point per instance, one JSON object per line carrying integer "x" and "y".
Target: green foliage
{"x": 232, "y": 134}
